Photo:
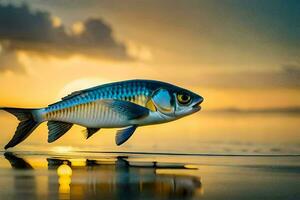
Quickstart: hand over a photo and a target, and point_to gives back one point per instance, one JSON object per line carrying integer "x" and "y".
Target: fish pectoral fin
{"x": 124, "y": 134}
{"x": 127, "y": 109}
{"x": 88, "y": 132}
{"x": 57, "y": 129}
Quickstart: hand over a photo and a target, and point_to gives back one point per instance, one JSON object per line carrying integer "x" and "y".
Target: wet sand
{"x": 82, "y": 175}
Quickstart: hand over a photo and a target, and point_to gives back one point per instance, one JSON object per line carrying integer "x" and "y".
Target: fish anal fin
{"x": 56, "y": 129}
{"x": 88, "y": 132}
{"x": 124, "y": 134}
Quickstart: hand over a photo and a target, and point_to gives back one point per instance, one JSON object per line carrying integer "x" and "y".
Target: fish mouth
{"x": 197, "y": 106}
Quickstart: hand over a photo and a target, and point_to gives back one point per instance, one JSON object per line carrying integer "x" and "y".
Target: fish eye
{"x": 183, "y": 98}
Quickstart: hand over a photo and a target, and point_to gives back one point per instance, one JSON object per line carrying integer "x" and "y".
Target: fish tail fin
{"x": 29, "y": 120}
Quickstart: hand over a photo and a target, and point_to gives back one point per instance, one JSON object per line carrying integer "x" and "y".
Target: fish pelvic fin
{"x": 88, "y": 132}
{"x": 56, "y": 129}
{"x": 28, "y": 122}
{"x": 124, "y": 134}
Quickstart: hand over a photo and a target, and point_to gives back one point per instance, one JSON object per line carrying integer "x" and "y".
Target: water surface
{"x": 82, "y": 175}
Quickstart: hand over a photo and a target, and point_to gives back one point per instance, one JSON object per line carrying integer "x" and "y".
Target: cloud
{"x": 288, "y": 76}
{"x": 9, "y": 62}
{"x": 287, "y": 110}
{"x": 292, "y": 73}
{"x": 39, "y": 32}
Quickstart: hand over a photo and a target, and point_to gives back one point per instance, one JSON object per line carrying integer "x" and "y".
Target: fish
{"x": 125, "y": 105}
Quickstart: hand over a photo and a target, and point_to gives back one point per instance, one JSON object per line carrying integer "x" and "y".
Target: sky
{"x": 236, "y": 54}
{"x": 240, "y": 55}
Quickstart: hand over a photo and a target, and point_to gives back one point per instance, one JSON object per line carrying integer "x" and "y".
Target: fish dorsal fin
{"x": 88, "y": 132}
{"x": 84, "y": 91}
{"x": 126, "y": 108}
{"x": 56, "y": 129}
{"x": 124, "y": 134}
{"x": 69, "y": 96}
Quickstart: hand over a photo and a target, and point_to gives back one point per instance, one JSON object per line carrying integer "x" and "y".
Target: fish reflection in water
{"x": 111, "y": 179}
{"x": 27, "y": 177}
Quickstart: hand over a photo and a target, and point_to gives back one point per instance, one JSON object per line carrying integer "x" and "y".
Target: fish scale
{"x": 82, "y": 115}
{"x": 139, "y": 95}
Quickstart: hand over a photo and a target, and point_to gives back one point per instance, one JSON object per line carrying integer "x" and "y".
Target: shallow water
{"x": 82, "y": 175}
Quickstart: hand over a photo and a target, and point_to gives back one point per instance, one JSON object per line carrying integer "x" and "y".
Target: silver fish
{"x": 126, "y": 104}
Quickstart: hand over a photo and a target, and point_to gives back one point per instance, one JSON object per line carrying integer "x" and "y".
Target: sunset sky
{"x": 237, "y": 54}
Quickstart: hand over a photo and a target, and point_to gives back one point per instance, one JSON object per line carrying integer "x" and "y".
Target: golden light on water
{"x": 63, "y": 149}
{"x": 64, "y": 173}
{"x": 64, "y": 170}
{"x": 78, "y": 162}
{"x": 190, "y": 166}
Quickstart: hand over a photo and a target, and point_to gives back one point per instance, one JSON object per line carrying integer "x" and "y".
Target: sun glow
{"x": 78, "y": 28}
{"x": 81, "y": 84}
{"x": 56, "y": 21}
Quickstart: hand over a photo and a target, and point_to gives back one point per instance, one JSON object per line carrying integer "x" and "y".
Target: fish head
{"x": 175, "y": 102}
{"x": 186, "y": 102}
